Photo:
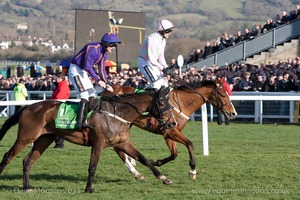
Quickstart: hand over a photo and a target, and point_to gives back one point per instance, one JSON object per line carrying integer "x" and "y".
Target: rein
{"x": 183, "y": 83}
{"x": 115, "y": 116}
{"x": 140, "y": 111}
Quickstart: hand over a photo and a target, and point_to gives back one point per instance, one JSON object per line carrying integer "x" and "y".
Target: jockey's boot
{"x": 82, "y": 110}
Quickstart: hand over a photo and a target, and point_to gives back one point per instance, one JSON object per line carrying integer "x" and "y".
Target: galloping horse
{"x": 185, "y": 100}
{"x": 111, "y": 128}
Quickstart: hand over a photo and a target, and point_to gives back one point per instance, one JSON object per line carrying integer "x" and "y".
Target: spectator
{"x": 277, "y": 20}
{"x": 284, "y": 18}
{"x": 238, "y": 37}
{"x": 281, "y": 86}
{"x": 62, "y": 91}
{"x": 268, "y": 26}
{"x": 20, "y": 93}
{"x": 256, "y": 31}
{"x": 208, "y": 50}
{"x": 247, "y": 34}
{"x": 199, "y": 55}
{"x": 193, "y": 57}
{"x": 28, "y": 84}
{"x": 225, "y": 41}
{"x": 174, "y": 64}
{"x": 270, "y": 83}
{"x": 258, "y": 84}
{"x": 246, "y": 83}
{"x": 293, "y": 15}
{"x": 298, "y": 10}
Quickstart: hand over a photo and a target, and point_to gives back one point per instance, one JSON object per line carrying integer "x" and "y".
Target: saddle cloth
{"x": 67, "y": 115}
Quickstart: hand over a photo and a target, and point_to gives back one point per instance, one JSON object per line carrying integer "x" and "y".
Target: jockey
{"x": 151, "y": 60}
{"x": 82, "y": 65}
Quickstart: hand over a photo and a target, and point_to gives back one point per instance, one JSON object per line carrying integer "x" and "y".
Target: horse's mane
{"x": 195, "y": 84}
{"x": 113, "y": 97}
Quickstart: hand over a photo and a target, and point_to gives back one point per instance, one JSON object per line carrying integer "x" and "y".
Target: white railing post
{"x": 291, "y": 112}
{"x": 204, "y": 130}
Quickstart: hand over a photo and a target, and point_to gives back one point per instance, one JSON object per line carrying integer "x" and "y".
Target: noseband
{"x": 216, "y": 95}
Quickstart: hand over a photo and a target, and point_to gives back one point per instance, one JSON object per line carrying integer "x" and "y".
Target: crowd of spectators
{"x": 46, "y": 82}
{"x": 226, "y": 40}
{"x": 273, "y": 77}
{"x": 283, "y": 76}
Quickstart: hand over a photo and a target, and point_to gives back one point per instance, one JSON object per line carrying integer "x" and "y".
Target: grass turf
{"x": 246, "y": 161}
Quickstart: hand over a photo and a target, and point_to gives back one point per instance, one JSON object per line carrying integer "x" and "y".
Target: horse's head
{"x": 160, "y": 108}
{"x": 220, "y": 99}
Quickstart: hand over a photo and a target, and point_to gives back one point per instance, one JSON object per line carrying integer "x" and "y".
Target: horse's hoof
{"x": 139, "y": 177}
{"x": 167, "y": 181}
{"x": 29, "y": 190}
{"x": 193, "y": 176}
{"x": 157, "y": 163}
{"x": 88, "y": 190}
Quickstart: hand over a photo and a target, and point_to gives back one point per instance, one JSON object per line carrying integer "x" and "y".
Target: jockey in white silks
{"x": 151, "y": 60}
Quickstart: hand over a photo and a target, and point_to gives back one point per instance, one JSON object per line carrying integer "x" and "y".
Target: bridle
{"x": 217, "y": 95}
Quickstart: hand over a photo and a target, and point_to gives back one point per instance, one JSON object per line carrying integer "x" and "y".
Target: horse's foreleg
{"x": 129, "y": 164}
{"x": 129, "y": 149}
{"x": 172, "y": 147}
{"x": 39, "y": 146}
{"x": 95, "y": 154}
{"x": 177, "y": 136}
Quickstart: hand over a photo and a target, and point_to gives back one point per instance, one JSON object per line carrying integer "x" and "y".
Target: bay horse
{"x": 184, "y": 100}
{"x": 111, "y": 128}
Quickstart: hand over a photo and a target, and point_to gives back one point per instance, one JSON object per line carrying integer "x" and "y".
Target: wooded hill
{"x": 196, "y": 21}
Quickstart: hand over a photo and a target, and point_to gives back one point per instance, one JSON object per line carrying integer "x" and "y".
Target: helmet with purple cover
{"x": 110, "y": 38}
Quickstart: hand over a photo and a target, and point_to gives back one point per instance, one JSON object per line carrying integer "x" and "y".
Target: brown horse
{"x": 185, "y": 100}
{"x": 111, "y": 128}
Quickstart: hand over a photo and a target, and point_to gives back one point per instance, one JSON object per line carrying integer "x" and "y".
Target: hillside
{"x": 196, "y": 21}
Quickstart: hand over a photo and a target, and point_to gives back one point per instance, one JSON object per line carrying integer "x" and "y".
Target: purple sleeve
{"x": 90, "y": 56}
{"x": 101, "y": 69}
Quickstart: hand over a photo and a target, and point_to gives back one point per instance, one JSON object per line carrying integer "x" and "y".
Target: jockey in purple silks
{"x": 82, "y": 64}
{"x": 151, "y": 60}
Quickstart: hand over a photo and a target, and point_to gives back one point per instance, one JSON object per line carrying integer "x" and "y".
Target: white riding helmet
{"x": 164, "y": 25}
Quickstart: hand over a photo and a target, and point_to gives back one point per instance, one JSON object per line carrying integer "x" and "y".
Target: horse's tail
{"x": 13, "y": 120}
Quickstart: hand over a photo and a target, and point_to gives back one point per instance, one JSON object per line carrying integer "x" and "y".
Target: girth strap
{"x": 180, "y": 112}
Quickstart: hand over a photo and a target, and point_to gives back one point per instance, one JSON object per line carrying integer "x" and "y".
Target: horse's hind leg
{"x": 39, "y": 146}
{"x": 14, "y": 150}
{"x": 129, "y": 149}
{"x": 128, "y": 163}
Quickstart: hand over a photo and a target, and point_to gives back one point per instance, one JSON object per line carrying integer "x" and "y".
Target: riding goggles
{"x": 111, "y": 44}
{"x": 168, "y": 31}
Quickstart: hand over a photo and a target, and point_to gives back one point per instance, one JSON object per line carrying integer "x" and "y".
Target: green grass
{"x": 246, "y": 161}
